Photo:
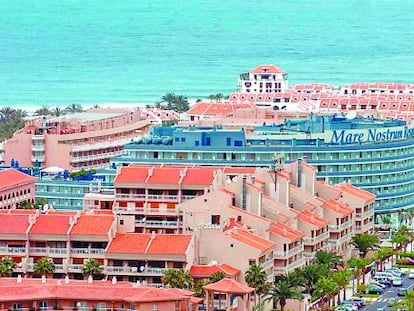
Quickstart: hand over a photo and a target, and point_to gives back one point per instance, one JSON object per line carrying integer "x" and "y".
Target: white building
{"x": 263, "y": 79}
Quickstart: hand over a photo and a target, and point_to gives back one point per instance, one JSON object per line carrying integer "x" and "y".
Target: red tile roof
{"x": 199, "y": 176}
{"x": 12, "y": 178}
{"x": 14, "y": 224}
{"x": 229, "y": 286}
{"x": 354, "y": 191}
{"x": 93, "y": 225}
{"x": 169, "y": 244}
{"x": 131, "y": 243}
{"x": 164, "y": 175}
{"x": 286, "y": 232}
{"x": 207, "y": 271}
{"x": 251, "y": 239}
{"x": 132, "y": 174}
{"x": 51, "y": 224}
{"x": 145, "y": 243}
{"x": 33, "y": 289}
{"x": 267, "y": 69}
{"x": 312, "y": 218}
{"x": 338, "y": 207}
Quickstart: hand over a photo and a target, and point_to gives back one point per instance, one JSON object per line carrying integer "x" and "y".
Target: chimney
{"x": 253, "y": 178}
{"x": 299, "y": 173}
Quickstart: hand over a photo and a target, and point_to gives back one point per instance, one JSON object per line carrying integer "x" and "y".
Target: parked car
{"x": 411, "y": 275}
{"x": 373, "y": 282}
{"x": 361, "y": 301}
{"x": 383, "y": 280}
{"x": 397, "y": 269}
{"x": 397, "y": 281}
{"x": 352, "y": 302}
{"x": 394, "y": 272}
{"x": 373, "y": 289}
{"x": 391, "y": 301}
{"x": 350, "y": 306}
{"x": 402, "y": 291}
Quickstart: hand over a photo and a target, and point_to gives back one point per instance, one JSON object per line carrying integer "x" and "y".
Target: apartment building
{"x": 16, "y": 188}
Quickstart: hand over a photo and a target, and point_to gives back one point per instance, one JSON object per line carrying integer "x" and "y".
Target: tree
{"x": 342, "y": 278}
{"x": 364, "y": 243}
{"x": 7, "y": 266}
{"x": 310, "y": 275}
{"x": 74, "y": 108}
{"x": 381, "y": 254}
{"x": 256, "y": 277}
{"x": 359, "y": 264}
{"x": 43, "y": 111}
{"x": 330, "y": 259}
{"x": 175, "y": 102}
{"x": 217, "y": 277}
{"x": 326, "y": 287}
{"x": 177, "y": 278}
{"x": 44, "y": 266}
{"x": 198, "y": 288}
{"x": 92, "y": 267}
{"x": 57, "y": 111}
{"x": 281, "y": 292}
{"x": 7, "y": 113}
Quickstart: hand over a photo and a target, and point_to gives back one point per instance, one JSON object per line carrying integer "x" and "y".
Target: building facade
{"x": 16, "y": 189}
{"x": 263, "y": 79}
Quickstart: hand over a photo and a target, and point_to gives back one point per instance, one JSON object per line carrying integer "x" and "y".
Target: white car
{"x": 397, "y": 281}
{"x": 411, "y": 275}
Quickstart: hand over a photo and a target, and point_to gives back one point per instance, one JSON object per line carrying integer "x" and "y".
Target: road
{"x": 388, "y": 293}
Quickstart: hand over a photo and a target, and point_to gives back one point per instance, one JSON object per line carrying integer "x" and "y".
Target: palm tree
{"x": 92, "y": 267}
{"x": 7, "y": 112}
{"x": 43, "y": 111}
{"x": 44, "y": 266}
{"x": 198, "y": 288}
{"x": 57, "y": 111}
{"x": 256, "y": 277}
{"x": 365, "y": 242}
{"x": 281, "y": 292}
{"x": 342, "y": 278}
{"x": 177, "y": 278}
{"x": 7, "y": 266}
{"x": 310, "y": 275}
{"x": 74, "y": 108}
{"x": 217, "y": 277}
{"x": 20, "y": 114}
{"x": 175, "y": 102}
{"x": 326, "y": 287}
{"x": 168, "y": 100}
{"x": 359, "y": 264}
{"x": 330, "y": 259}
{"x": 381, "y": 254}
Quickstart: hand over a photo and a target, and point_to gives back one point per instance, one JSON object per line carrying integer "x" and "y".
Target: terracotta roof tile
{"x": 286, "y": 232}
{"x": 313, "y": 219}
{"x": 132, "y": 174}
{"x": 14, "y": 224}
{"x": 92, "y": 225}
{"x": 131, "y": 243}
{"x": 12, "y": 178}
{"x": 169, "y": 244}
{"x": 229, "y": 286}
{"x": 199, "y": 176}
{"x": 164, "y": 175}
{"x": 338, "y": 207}
{"x": 272, "y": 69}
{"x": 51, "y": 224}
{"x": 251, "y": 240}
{"x": 360, "y": 193}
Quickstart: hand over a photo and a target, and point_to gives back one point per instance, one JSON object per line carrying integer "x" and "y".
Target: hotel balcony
{"x": 38, "y": 158}
{"x": 59, "y": 268}
{"x": 38, "y": 137}
{"x": 18, "y": 199}
{"x": 48, "y": 251}
{"x": 88, "y": 252}
{"x": 73, "y": 268}
{"x": 340, "y": 227}
{"x": 157, "y": 223}
{"x": 369, "y": 226}
{"x": 289, "y": 253}
{"x": 146, "y": 210}
{"x": 154, "y": 197}
{"x": 37, "y": 148}
{"x": 93, "y": 157}
{"x": 336, "y": 242}
{"x": 291, "y": 266}
{"x": 7, "y": 250}
{"x": 315, "y": 240}
{"x": 133, "y": 271}
{"x": 101, "y": 145}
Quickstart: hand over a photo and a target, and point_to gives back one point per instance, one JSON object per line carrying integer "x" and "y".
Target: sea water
{"x": 95, "y": 51}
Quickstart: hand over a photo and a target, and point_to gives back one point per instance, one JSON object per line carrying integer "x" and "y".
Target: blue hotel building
{"x": 375, "y": 155}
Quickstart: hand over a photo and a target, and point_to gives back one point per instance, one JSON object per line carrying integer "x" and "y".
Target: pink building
{"x": 15, "y": 189}
{"x": 76, "y": 141}
{"x": 47, "y": 294}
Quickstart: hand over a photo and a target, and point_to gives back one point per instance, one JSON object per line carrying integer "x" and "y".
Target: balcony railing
{"x": 84, "y": 251}
{"x": 340, "y": 227}
{"x": 99, "y": 156}
{"x": 48, "y": 250}
{"x": 289, "y": 267}
{"x": 12, "y": 250}
{"x": 75, "y": 268}
{"x": 288, "y": 253}
{"x": 120, "y": 270}
{"x": 366, "y": 227}
{"x": 156, "y": 223}
{"x": 101, "y": 145}
{"x": 317, "y": 239}
{"x": 158, "y": 271}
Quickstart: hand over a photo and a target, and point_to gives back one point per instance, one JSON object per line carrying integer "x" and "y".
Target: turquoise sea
{"x": 93, "y": 51}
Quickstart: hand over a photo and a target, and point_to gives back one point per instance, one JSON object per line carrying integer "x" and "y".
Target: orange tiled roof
{"x": 199, "y": 176}
{"x": 338, "y": 207}
{"x": 207, "y": 271}
{"x": 131, "y": 243}
{"x": 251, "y": 240}
{"x": 286, "y": 232}
{"x": 92, "y": 225}
{"x": 312, "y": 219}
{"x": 51, "y": 224}
{"x": 12, "y": 178}
{"x": 169, "y": 244}
{"x": 229, "y": 286}
{"x": 164, "y": 175}
{"x": 132, "y": 174}
{"x": 14, "y": 224}
{"x": 267, "y": 69}
{"x": 360, "y": 193}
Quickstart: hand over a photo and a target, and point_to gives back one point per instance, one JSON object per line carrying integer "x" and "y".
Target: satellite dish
{"x": 351, "y": 115}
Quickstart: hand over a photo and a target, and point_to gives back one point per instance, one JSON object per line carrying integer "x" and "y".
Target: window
{"x": 154, "y": 307}
{"x": 238, "y": 143}
{"x": 228, "y": 141}
{"x": 177, "y": 139}
{"x": 208, "y": 141}
{"x": 17, "y": 306}
{"x": 197, "y": 143}
{"x": 252, "y": 262}
{"x": 182, "y": 139}
{"x": 121, "y": 222}
{"x": 215, "y": 219}
{"x": 42, "y": 305}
